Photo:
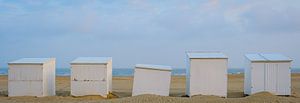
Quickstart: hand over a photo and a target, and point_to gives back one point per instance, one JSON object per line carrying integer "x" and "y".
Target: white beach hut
{"x": 31, "y": 77}
{"x": 206, "y": 74}
{"x": 91, "y": 76}
{"x": 151, "y": 79}
{"x": 267, "y": 72}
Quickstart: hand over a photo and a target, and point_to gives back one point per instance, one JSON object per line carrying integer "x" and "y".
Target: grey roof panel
{"x": 255, "y": 57}
{"x": 271, "y": 57}
{"x": 31, "y": 61}
{"x": 276, "y": 57}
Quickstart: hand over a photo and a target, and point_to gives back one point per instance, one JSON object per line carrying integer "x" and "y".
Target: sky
{"x": 147, "y": 31}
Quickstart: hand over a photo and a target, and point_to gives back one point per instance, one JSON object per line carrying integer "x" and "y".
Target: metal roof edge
{"x": 28, "y": 63}
{"x": 76, "y": 61}
{"x": 153, "y": 67}
{"x": 189, "y": 52}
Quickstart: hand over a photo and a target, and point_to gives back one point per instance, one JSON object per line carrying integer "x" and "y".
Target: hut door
{"x": 271, "y": 71}
{"x": 284, "y": 79}
{"x": 257, "y": 74}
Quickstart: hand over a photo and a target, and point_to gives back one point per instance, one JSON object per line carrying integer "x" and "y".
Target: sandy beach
{"x": 122, "y": 87}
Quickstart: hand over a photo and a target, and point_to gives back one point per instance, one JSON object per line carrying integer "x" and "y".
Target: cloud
{"x": 158, "y": 30}
{"x": 265, "y": 17}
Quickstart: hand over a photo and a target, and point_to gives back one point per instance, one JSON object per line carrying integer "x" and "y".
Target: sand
{"x": 122, "y": 87}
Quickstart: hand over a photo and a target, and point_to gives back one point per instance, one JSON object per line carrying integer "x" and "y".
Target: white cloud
{"x": 137, "y": 27}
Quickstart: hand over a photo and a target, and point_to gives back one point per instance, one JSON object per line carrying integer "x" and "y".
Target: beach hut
{"x": 206, "y": 74}
{"x": 267, "y": 72}
{"x": 91, "y": 76}
{"x": 151, "y": 79}
{"x": 31, "y": 77}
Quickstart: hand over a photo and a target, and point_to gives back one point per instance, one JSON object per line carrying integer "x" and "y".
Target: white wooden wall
{"x": 208, "y": 77}
{"x": 89, "y": 80}
{"x": 49, "y": 78}
{"x": 273, "y": 77}
{"x": 32, "y": 79}
{"x": 247, "y": 77}
{"x": 109, "y": 76}
{"x": 148, "y": 81}
{"x": 188, "y": 73}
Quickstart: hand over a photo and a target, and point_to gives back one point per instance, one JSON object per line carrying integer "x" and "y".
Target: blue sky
{"x": 147, "y": 31}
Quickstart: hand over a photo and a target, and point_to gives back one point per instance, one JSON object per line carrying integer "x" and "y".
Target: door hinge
{"x": 103, "y": 80}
